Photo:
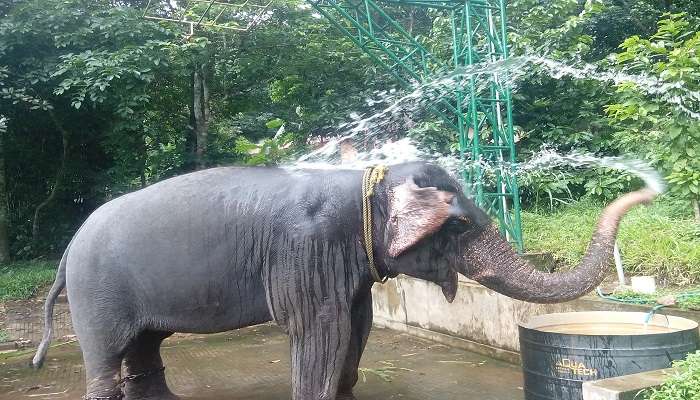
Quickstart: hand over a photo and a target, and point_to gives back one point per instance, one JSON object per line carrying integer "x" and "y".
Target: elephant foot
{"x": 148, "y": 386}
{"x": 149, "y": 393}
{"x": 164, "y": 395}
{"x": 113, "y": 395}
{"x": 168, "y": 396}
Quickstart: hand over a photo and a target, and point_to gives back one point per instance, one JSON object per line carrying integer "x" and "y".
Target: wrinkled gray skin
{"x": 225, "y": 248}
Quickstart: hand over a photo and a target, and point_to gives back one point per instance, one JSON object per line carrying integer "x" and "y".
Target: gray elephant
{"x": 225, "y": 248}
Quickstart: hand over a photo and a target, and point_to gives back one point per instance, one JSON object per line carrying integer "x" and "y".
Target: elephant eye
{"x": 456, "y": 225}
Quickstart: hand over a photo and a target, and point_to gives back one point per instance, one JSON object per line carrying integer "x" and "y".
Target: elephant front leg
{"x": 318, "y": 353}
{"x": 361, "y": 320}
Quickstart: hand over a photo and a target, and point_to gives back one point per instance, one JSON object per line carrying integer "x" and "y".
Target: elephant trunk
{"x": 491, "y": 261}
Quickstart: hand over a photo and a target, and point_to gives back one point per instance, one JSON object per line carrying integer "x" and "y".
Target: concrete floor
{"x": 253, "y": 364}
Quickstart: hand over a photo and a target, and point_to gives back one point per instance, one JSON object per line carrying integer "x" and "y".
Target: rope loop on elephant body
{"x": 370, "y": 179}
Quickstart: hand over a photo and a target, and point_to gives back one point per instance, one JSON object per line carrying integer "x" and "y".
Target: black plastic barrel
{"x": 561, "y": 351}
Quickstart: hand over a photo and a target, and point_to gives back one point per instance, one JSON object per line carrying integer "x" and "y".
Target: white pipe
{"x": 618, "y": 265}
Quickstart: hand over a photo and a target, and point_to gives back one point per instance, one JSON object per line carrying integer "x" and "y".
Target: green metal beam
{"x": 481, "y": 112}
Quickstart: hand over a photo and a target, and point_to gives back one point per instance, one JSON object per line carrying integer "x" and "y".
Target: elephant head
{"x": 432, "y": 231}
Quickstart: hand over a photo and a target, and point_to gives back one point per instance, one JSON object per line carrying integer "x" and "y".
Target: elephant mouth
{"x": 449, "y": 286}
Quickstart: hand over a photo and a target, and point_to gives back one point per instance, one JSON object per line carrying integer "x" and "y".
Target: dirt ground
{"x": 23, "y": 321}
{"x": 253, "y": 364}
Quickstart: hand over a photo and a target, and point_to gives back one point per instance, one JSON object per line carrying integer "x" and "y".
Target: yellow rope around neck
{"x": 372, "y": 176}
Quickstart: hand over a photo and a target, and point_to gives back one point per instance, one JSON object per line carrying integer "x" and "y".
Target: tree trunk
{"x": 4, "y": 212}
{"x": 57, "y": 179}
{"x": 696, "y": 208}
{"x": 200, "y": 115}
{"x": 143, "y": 161}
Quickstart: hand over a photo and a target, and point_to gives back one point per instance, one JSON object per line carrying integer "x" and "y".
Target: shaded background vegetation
{"x": 95, "y": 101}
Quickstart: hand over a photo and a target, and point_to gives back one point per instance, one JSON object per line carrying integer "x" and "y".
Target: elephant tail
{"x": 58, "y": 285}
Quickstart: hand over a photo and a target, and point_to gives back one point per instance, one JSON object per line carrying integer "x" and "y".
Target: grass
{"x": 685, "y": 299}
{"x": 21, "y": 280}
{"x": 386, "y": 372}
{"x": 654, "y": 240}
{"x": 683, "y": 384}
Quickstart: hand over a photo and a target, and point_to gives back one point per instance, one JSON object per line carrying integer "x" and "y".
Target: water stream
{"x": 373, "y": 142}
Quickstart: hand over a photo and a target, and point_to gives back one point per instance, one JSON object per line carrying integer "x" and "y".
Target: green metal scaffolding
{"x": 481, "y": 112}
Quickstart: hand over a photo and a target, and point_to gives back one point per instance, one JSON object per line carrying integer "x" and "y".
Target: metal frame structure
{"x": 480, "y": 111}
{"x": 208, "y": 13}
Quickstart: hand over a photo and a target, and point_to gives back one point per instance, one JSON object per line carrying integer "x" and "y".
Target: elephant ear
{"x": 415, "y": 213}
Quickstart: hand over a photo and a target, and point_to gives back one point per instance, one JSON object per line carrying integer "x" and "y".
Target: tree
{"x": 664, "y": 126}
{"x": 4, "y": 211}
{"x": 99, "y": 102}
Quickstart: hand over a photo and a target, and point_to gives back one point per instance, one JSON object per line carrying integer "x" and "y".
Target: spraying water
{"x": 674, "y": 94}
{"x": 548, "y": 159}
{"x": 373, "y": 143}
{"x": 370, "y": 132}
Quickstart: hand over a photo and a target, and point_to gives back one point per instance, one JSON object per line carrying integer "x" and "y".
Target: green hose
{"x": 639, "y": 299}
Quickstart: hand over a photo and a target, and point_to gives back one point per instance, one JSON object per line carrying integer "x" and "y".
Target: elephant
{"x": 228, "y": 247}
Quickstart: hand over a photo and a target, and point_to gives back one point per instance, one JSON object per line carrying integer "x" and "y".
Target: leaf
{"x": 675, "y": 131}
{"x": 274, "y": 123}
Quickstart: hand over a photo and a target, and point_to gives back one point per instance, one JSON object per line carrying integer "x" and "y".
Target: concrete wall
{"x": 478, "y": 320}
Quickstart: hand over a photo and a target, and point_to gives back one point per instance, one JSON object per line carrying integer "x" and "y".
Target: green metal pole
{"x": 369, "y": 18}
{"x": 517, "y": 222}
{"x": 474, "y": 121}
{"x": 476, "y": 37}
{"x": 462, "y": 135}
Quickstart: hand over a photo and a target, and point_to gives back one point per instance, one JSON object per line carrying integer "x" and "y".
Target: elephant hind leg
{"x": 102, "y": 368}
{"x": 144, "y": 373}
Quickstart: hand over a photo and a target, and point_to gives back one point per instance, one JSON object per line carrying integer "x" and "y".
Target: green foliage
{"x": 565, "y": 184}
{"x": 682, "y": 384}
{"x": 4, "y": 336}
{"x": 607, "y": 184}
{"x": 589, "y": 116}
{"x": 551, "y": 187}
{"x": 561, "y": 114}
{"x": 119, "y": 90}
{"x": 21, "y": 280}
{"x": 268, "y": 151}
{"x": 690, "y": 303}
{"x": 655, "y": 240}
{"x": 686, "y": 299}
{"x": 434, "y": 137}
{"x": 654, "y": 126}
{"x": 556, "y": 27}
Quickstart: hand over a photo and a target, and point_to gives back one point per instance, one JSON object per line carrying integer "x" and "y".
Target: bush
{"x": 664, "y": 128}
{"x": 684, "y": 384}
{"x": 656, "y": 240}
{"x": 21, "y": 280}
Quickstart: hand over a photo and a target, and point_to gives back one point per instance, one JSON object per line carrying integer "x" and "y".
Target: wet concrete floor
{"x": 253, "y": 364}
